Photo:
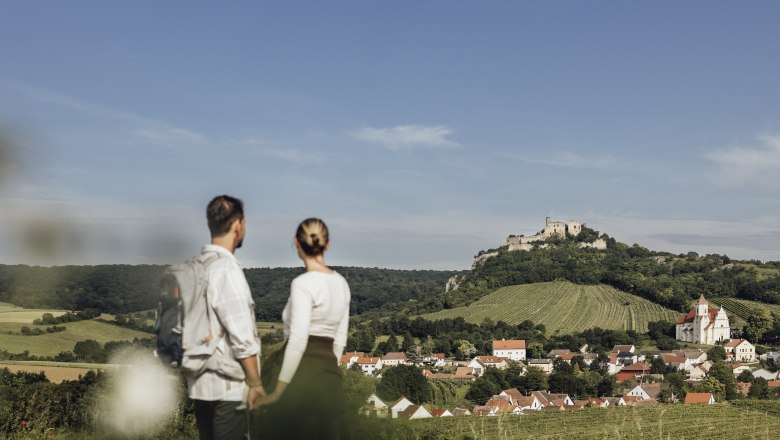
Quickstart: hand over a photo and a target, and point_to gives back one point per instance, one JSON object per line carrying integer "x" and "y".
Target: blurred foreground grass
{"x": 752, "y": 420}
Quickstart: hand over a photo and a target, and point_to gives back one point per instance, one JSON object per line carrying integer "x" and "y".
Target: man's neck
{"x": 226, "y": 242}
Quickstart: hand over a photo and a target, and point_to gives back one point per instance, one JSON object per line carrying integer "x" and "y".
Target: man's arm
{"x": 252, "y": 372}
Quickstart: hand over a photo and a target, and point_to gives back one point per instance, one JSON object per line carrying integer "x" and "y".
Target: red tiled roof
{"x": 773, "y": 383}
{"x": 437, "y": 355}
{"x": 668, "y": 357}
{"x": 713, "y": 312}
{"x": 698, "y": 397}
{"x": 491, "y": 359}
{"x": 636, "y": 367}
{"x": 369, "y": 360}
{"x": 395, "y": 356}
{"x": 733, "y": 343}
{"x": 511, "y": 344}
{"x": 621, "y": 376}
{"x": 438, "y": 412}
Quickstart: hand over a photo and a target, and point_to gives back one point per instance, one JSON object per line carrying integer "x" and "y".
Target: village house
{"x": 369, "y": 365}
{"x": 513, "y": 349}
{"x": 525, "y": 403}
{"x": 703, "y": 325}
{"x": 697, "y": 372}
{"x": 558, "y": 352}
{"x": 774, "y": 355}
{"x": 552, "y": 399}
{"x": 414, "y": 412}
{"x": 740, "y": 350}
{"x": 437, "y": 359}
{"x": 613, "y": 367}
{"x": 458, "y": 412}
{"x": 633, "y": 371}
{"x": 616, "y": 401}
{"x": 673, "y": 361}
{"x": 447, "y": 376}
{"x": 350, "y": 358}
{"x": 766, "y": 374}
{"x": 593, "y": 402}
{"x": 398, "y": 406}
{"x": 545, "y": 365}
{"x": 699, "y": 398}
{"x": 624, "y": 348}
{"x": 480, "y": 363}
{"x": 462, "y": 371}
{"x": 441, "y": 413}
{"x": 393, "y": 358}
{"x": 375, "y": 407}
{"x": 738, "y": 369}
{"x": 648, "y": 391}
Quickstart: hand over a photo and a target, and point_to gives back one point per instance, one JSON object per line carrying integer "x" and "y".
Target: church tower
{"x": 701, "y": 321}
{"x": 702, "y": 306}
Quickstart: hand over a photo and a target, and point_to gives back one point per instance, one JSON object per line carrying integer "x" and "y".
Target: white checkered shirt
{"x": 231, "y": 299}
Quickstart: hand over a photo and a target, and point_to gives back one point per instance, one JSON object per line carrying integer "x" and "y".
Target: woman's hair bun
{"x": 312, "y": 235}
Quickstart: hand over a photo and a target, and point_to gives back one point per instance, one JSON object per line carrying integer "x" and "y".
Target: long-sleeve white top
{"x": 318, "y": 306}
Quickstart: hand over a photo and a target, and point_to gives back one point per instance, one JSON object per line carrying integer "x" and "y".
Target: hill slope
{"x": 49, "y": 344}
{"x": 562, "y": 306}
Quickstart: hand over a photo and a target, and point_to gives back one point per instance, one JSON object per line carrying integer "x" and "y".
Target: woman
{"x": 308, "y": 399}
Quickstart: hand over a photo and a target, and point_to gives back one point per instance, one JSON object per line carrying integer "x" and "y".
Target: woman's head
{"x": 312, "y": 237}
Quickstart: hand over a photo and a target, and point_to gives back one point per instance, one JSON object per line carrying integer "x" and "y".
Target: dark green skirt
{"x": 312, "y": 406}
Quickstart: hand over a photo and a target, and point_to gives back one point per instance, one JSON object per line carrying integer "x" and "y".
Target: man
{"x": 221, "y": 400}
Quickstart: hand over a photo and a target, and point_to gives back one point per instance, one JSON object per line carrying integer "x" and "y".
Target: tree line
{"x": 126, "y": 289}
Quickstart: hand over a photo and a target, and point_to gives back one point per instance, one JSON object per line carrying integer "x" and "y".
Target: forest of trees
{"x": 123, "y": 289}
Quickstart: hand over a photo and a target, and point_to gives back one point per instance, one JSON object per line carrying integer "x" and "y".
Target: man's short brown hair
{"x": 222, "y": 212}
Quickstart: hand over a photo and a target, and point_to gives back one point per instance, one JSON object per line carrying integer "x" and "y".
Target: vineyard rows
{"x": 662, "y": 422}
{"x": 742, "y": 308}
{"x": 564, "y": 307}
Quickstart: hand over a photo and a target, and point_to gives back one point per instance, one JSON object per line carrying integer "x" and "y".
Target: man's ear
{"x": 236, "y": 226}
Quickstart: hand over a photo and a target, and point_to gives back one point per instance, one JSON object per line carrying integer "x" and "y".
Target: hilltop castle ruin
{"x": 551, "y": 228}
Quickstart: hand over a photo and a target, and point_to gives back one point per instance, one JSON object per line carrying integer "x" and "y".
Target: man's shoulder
{"x": 219, "y": 259}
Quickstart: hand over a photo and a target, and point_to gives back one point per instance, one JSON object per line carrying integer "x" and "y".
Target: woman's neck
{"x": 316, "y": 264}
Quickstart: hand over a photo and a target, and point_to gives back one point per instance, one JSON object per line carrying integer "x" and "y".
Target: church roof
{"x": 701, "y": 300}
{"x": 684, "y": 319}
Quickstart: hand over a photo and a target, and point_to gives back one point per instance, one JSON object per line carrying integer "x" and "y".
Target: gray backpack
{"x": 186, "y": 323}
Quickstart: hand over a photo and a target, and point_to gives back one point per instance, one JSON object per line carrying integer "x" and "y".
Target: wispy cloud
{"x": 153, "y": 130}
{"x": 742, "y": 165}
{"x": 169, "y": 135}
{"x": 407, "y": 136}
{"x": 566, "y": 159}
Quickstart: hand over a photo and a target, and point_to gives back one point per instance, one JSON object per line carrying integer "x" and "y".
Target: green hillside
{"x": 13, "y": 318}
{"x": 562, "y": 306}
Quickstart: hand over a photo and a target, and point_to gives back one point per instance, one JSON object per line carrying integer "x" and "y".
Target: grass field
{"x": 666, "y": 422}
{"x": 13, "y": 318}
{"x": 269, "y": 327}
{"x": 55, "y": 371}
{"x": 563, "y": 307}
{"x": 12, "y": 314}
{"x": 662, "y": 422}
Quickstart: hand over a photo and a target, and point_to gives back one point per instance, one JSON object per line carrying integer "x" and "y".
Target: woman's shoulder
{"x": 318, "y": 277}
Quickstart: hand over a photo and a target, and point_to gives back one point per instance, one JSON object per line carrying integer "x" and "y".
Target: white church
{"x": 703, "y": 325}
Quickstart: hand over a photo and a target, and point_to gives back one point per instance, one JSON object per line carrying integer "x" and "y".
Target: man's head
{"x": 225, "y": 216}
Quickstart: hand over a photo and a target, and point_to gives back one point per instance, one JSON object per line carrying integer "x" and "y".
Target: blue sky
{"x": 421, "y": 132}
